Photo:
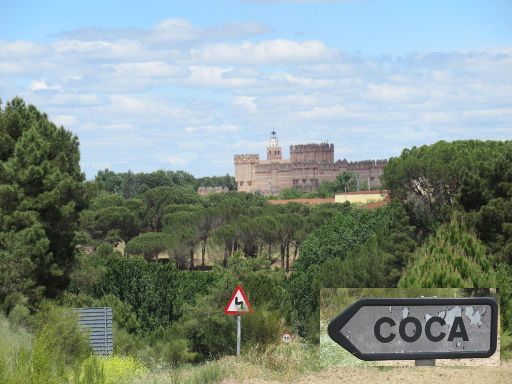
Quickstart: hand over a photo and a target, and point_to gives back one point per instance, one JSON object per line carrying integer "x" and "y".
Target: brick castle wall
{"x": 308, "y": 166}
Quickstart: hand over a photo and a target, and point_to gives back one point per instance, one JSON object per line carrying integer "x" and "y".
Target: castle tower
{"x": 274, "y": 150}
{"x": 245, "y": 166}
{"x": 312, "y": 153}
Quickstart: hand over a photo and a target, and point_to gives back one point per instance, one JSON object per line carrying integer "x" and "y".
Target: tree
{"x": 226, "y": 236}
{"x": 109, "y": 181}
{"x": 209, "y": 219}
{"x": 452, "y": 258}
{"x": 346, "y": 182}
{"x": 184, "y": 227}
{"x": 158, "y": 198}
{"x": 41, "y": 194}
{"x": 150, "y": 244}
{"x": 267, "y": 227}
{"x": 336, "y": 238}
{"x": 428, "y": 179}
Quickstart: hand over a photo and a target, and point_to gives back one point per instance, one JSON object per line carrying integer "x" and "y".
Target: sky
{"x": 185, "y": 85}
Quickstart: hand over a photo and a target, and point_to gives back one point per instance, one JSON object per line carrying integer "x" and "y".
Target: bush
{"x": 120, "y": 369}
{"x": 156, "y": 292}
{"x": 285, "y": 361}
{"x": 58, "y": 348}
{"x": 59, "y": 335}
{"x": 263, "y": 327}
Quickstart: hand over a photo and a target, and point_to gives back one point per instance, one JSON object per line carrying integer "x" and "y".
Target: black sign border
{"x": 339, "y": 321}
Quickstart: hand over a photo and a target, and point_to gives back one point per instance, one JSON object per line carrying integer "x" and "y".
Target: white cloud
{"x": 22, "y": 50}
{"x": 176, "y": 161}
{"x": 269, "y": 52}
{"x": 42, "y": 85}
{"x": 68, "y": 121}
{"x": 158, "y": 69}
{"x": 170, "y": 32}
{"x": 395, "y": 93}
{"x": 246, "y": 102}
{"x": 139, "y": 97}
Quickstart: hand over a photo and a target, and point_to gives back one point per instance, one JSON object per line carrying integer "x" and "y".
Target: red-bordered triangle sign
{"x": 238, "y": 304}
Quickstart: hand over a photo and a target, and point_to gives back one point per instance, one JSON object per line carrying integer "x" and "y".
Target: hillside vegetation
{"x": 449, "y": 225}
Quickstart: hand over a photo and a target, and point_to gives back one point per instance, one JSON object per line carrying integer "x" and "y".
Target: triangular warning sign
{"x": 238, "y": 304}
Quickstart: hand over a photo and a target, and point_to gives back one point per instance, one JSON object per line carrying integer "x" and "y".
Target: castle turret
{"x": 244, "y": 171}
{"x": 274, "y": 150}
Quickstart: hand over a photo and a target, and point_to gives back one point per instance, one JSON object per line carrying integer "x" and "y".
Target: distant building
{"x": 308, "y": 166}
{"x": 207, "y": 190}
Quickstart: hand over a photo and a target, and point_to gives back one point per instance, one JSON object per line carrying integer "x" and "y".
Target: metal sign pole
{"x": 238, "y": 334}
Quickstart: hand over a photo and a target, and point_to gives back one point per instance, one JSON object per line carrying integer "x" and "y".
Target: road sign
{"x": 238, "y": 304}
{"x": 286, "y": 338}
{"x": 413, "y": 329}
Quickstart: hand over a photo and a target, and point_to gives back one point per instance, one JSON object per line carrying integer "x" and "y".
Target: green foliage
{"x": 378, "y": 262}
{"x": 427, "y": 179}
{"x": 345, "y": 182}
{"x": 337, "y": 238}
{"x": 150, "y": 244}
{"x": 290, "y": 193}
{"x": 158, "y": 198}
{"x": 285, "y": 362}
{"x": 504, "y": 283}
{"x": 56, "y": 351}
{"x": 41, "y": 195}
{"x": 130, "y": 185}
{"x": 211, "y": 332}
{"x": 171, "y": 351}
{"x": 263, "y": 327}
{"x": 453, "y": 257}
{"x": 123, "y": 314}
{"x": 216, "y": 181}
{"x": 103, "y": 222}
{"x": 156, "y": 292}
{"x": 58, "y": 331}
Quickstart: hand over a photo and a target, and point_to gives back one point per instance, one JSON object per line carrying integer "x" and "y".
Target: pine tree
{"x": 41, "y": 195}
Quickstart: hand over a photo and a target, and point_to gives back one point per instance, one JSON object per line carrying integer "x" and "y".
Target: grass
{"x": 279, "y": 362}
{"x": 332, "y": 354}
{"x": 58, "y": 353}
{"x": 14, "y": 342}
{"x": 208, "y": 373}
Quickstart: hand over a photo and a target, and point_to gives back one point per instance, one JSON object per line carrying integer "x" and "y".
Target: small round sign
{"x": 286, "y": 338}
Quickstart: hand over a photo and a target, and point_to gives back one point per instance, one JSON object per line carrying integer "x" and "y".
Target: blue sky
{"x": 186, "y": 85}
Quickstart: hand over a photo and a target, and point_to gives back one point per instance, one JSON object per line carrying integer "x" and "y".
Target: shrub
{"x": 120, "y": 369}
{"x": 262, "y": 327}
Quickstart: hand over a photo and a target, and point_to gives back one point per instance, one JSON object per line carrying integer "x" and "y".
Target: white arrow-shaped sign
{"x": 413, "y": 329}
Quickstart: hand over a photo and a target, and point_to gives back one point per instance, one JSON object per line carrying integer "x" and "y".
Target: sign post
{"x": 238, "y": 334}
{"x": 238, "y": 305}
{"x": 422, "y": 329}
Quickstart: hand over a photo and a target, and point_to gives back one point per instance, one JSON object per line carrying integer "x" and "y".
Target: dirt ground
{"x": 415, "y": 375}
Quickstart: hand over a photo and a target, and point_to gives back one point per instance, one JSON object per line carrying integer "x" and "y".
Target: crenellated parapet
{"x": 322, "y": 153}
{"x": 247, "y": 158}
{"x": 366, "y": 164}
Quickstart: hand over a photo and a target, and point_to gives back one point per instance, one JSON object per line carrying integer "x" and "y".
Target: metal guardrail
{"x": 98, "y": 321}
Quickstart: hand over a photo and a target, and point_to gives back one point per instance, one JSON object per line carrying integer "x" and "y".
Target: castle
{"x": 308, "y": 166}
